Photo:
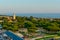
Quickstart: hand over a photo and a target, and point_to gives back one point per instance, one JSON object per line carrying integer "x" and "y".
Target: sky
{"x": 29, "y": 6}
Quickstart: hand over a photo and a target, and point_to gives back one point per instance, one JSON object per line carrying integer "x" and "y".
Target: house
{"x": 23, "y": 30}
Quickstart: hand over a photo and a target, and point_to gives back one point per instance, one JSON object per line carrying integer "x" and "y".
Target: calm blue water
{"x": 43, "y": 15}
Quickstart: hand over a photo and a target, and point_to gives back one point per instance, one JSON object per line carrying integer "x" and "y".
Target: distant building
{"x": 23, "y": 30}
{"x": 1, "y": 20}
{"x": 14, "y": 16}
{"x": 11, "y": 18}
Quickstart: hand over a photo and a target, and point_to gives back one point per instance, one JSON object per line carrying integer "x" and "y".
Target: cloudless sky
{"x": 30, "y": 6}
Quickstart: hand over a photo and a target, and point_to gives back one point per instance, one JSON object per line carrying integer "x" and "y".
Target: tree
{"x": 32, "y": 29}
{"x": 53, "y": 27}
{"x": 27, "y": 24}
{"x": 5, "y": 27}
{"x": 30, "y": 26}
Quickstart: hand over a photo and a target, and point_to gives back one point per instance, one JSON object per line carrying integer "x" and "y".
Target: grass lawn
{"x": 46, "y": 37}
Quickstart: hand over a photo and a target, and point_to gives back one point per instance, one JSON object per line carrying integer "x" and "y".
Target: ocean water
{"x": 42, "y": 15}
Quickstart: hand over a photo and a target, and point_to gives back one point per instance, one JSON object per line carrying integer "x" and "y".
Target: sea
{"x": 39, "y": 15}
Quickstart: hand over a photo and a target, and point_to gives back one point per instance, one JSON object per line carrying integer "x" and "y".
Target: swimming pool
{"x": 13, "y": 36}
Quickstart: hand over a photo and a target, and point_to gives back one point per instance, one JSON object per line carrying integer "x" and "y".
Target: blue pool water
{"x": 13, "y": 36}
